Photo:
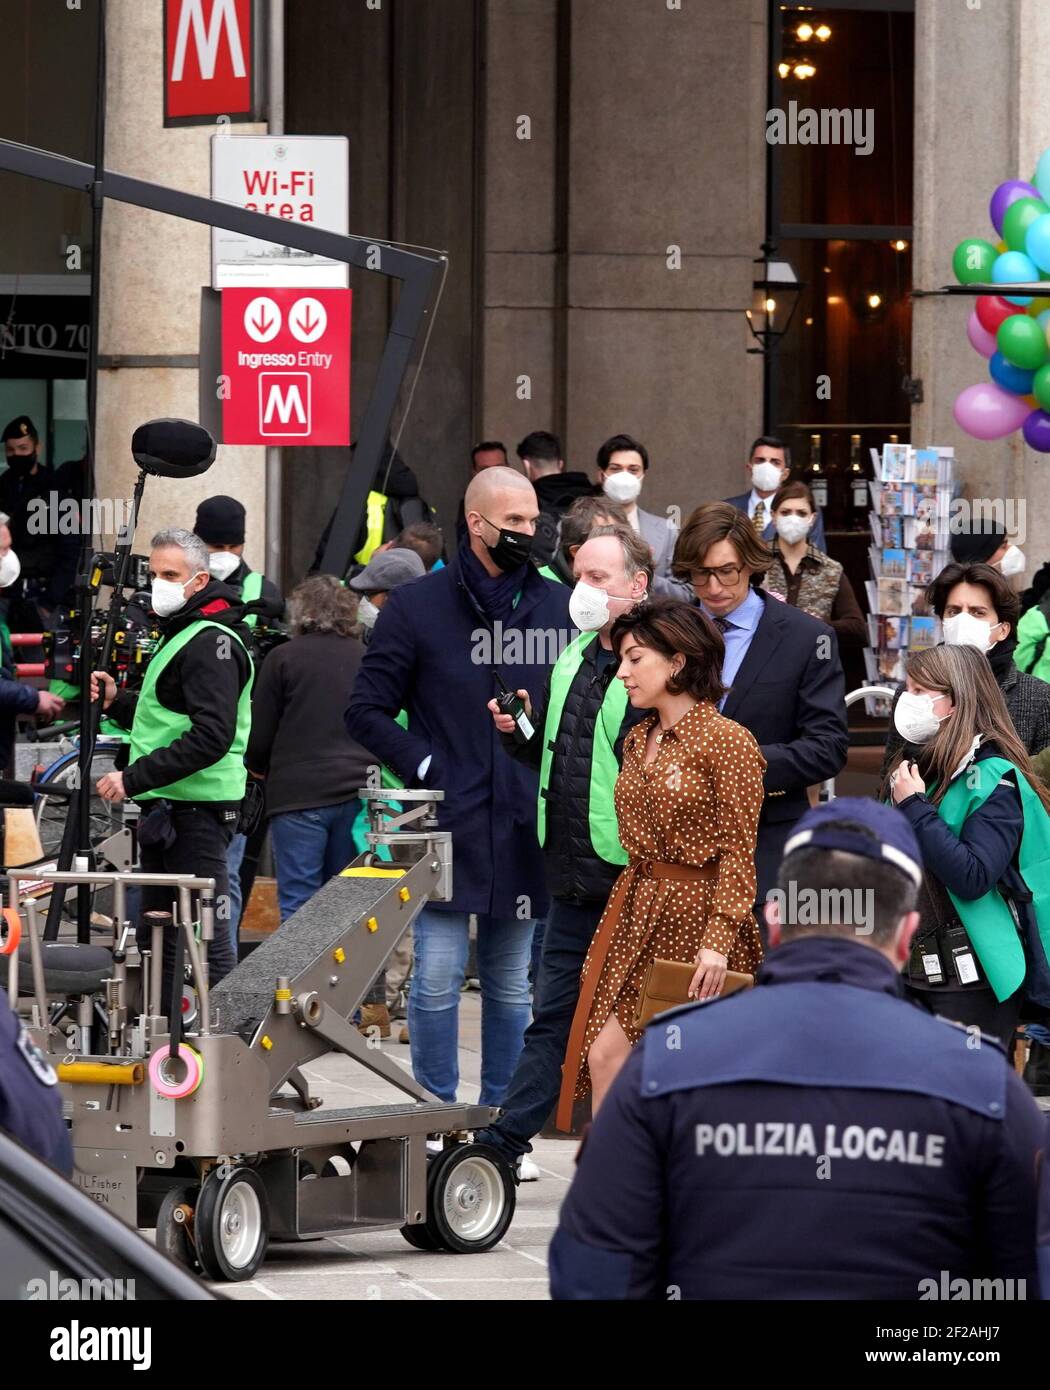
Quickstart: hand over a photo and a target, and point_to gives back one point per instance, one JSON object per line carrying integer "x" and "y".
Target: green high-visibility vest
{"x": 251, "y": 589}
{"x": 601, "y": 809}
{"x": 988, "y": 921}
{"x": 155, "y": 726}
{"x": 375, "y": 516}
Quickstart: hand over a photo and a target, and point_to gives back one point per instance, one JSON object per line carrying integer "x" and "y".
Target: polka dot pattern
{"x": 698, "y": 801}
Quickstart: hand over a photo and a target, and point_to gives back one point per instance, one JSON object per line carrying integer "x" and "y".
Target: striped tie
{"x": 758, "y": 521}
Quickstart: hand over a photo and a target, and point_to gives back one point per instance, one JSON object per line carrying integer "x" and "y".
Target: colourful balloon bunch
{"x": 1012, "y": 331}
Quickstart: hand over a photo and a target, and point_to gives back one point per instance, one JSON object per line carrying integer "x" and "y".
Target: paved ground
{"x": 381, "y": 1264}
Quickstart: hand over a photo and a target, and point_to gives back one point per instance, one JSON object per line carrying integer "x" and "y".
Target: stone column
{"x": 667, "y": 170}
{"x": 153, "y": 268}
{"x": 982, "y": 116}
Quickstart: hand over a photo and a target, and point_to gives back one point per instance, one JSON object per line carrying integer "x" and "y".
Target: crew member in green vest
{"x": 982, "y": 818}
{"x": 189, "y": 727}
{"x": 577, "y": 746}
{"x": 220, "y": 524}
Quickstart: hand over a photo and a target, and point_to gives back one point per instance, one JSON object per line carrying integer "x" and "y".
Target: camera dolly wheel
{"x": 231, "y": 1224}
{"x": 470, "y": 1201}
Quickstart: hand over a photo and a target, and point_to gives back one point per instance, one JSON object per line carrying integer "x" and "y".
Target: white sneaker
{"x": 526, "y": 1170}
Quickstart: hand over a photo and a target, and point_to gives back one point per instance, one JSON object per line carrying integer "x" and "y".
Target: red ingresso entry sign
{"x": 286, "y": 366}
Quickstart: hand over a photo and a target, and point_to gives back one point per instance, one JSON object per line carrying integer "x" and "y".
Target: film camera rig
{"x": 136, "y": 632}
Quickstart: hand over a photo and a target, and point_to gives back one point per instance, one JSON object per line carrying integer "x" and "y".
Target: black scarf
{"x": 494, "y": 596}
{"x": 1001, "y": 658}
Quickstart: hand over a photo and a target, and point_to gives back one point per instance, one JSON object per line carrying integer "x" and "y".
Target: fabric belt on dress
{"x": 599, "y": 949}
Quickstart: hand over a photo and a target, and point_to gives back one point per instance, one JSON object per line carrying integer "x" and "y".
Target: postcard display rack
{"x": 911, "y": 505}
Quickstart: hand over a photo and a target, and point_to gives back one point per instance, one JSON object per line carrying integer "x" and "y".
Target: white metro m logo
{"x": 206, "y": 38}
{"x": 284, "y": 403}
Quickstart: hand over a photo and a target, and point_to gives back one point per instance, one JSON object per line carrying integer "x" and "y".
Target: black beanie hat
{"x": 978, "y": 546}
{"x": 220, "y": 521}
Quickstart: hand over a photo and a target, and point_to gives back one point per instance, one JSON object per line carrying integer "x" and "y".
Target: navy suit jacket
{"x": 816, "y": 536}
{"x": 430, "y": 655}
{"x": 790, "y": 694}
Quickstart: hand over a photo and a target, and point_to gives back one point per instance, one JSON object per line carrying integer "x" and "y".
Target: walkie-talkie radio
{"x": 510, "y": 703}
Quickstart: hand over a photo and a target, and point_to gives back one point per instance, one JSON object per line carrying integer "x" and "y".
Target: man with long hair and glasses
{"x": 782, "y": 670}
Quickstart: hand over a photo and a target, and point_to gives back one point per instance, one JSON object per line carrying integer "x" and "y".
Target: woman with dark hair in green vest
{"x": 982, "y": 819}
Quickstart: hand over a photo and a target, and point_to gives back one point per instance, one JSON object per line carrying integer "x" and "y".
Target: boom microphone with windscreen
{"x": 173, "y": 448}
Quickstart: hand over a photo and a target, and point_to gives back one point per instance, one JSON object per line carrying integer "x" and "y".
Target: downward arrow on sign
{"x": 263, "y": 326}
{"x": 307, "y": 324}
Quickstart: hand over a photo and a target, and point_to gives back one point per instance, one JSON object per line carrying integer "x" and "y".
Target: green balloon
{"x": 973, "y": 260}
{"x": 1019, "y": 217}
{"x": 1041, "y": 386}
{"x": 1022, "y": 342}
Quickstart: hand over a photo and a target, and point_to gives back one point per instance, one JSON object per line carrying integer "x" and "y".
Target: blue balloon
{"x": 1014, "y": 267}
{"x": 1037, "y": 242}
{"x": 1042, "y": 174}
{"x": 1009, "y": 377}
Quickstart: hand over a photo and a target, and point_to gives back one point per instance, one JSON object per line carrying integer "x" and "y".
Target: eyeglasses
{"x": 725, "y": 574}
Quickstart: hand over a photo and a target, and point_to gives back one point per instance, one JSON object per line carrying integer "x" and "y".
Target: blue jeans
{"x": 234, "y": 860}
{"x": 533, "y": 1090}
{"x": 439, "y": 965}
{"x": 309, "y": 848}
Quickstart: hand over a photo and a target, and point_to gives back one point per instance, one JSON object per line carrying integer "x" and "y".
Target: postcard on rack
{"x": 893, "y": 598}
{"x": 895, "y": 463}
{"x": 894, "y": 564}
{"x": 922, "y": 632}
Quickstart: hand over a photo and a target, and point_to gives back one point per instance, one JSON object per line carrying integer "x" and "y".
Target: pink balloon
{"x": 979, "y": 337}
{"x": 986, "y": 411}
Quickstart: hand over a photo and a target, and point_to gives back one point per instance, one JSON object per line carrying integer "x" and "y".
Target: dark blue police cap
{"x": 890, "y": 838}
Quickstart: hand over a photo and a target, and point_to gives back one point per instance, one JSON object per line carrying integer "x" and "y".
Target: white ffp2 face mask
{"x": 367, "y": 613}
{"x": 792, "y": 529}
{"x": 167, "y": 597}
{"x": 765, "y": 476}
{"x": 964, "y": 630}
{"x": 10, "y": 569}
{"x": 914, "y": 719}
{"x": 222, "y": 563}
{"x": 1013, "y": 562}
{"x": 588, "y": 607}
{"x": 622, "y": 487}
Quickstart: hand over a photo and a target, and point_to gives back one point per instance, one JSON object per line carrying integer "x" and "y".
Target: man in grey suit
{"x": 769, "y": 465}
{"x": 622, "y": 465}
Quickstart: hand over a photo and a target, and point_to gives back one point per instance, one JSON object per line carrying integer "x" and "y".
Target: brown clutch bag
{"x": 667, "y": 985}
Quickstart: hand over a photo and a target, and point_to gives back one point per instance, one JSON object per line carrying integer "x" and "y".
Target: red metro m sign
{"x": 208, "y": 61}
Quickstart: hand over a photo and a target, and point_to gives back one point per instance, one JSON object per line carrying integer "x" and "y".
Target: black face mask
{"x": 20, "y": 464}
{"x": 511, "y": 551}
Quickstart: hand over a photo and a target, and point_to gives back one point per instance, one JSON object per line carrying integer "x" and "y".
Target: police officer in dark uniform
{"x": 818, "y": 1136}
{"x": 30, "y": 1104}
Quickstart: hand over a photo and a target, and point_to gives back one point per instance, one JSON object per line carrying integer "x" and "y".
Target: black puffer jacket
{"x": 575, "y": 872}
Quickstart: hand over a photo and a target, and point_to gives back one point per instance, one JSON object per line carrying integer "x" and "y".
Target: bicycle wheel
{"x": 51, "y": 812}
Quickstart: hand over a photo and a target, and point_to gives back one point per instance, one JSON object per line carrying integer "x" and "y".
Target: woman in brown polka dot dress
{"x": 687, "y": 799}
